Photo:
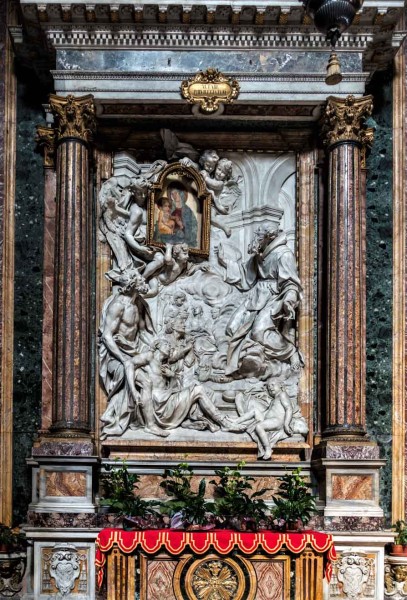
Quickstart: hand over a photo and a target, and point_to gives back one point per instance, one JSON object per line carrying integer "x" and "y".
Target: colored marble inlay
{"x": 270, "y": 580}
{"x": 160, "y": 576}
{"x": 150, "y": 486}
{"x": 352, "y": 487}
{"x": 62, "y": 484}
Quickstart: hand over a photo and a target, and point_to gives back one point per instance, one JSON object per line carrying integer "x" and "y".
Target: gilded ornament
{"x": 209, "y": 89}
{"x": 215, "y": 580}
{"x": 46, "y": 141}
{"x": 75, "y": 116}
{"x": 344, "y": 119}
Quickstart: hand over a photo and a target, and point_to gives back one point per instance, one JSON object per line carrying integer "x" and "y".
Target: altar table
{"x": 193, "y": 565}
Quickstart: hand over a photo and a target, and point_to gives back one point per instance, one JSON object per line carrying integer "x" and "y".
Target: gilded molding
{"x": 344, "y": 120}
{"x": 399, "y": 289}
{"x": 46, "y": 141}
{"x": 75, "y": 117}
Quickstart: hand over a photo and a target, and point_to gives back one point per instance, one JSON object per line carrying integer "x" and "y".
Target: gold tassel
{"x": 333, "y": 71}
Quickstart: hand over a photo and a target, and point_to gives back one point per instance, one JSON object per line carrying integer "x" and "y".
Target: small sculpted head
{"x": 180, "y": 252}
{"x": 133, "y": 282}
{"x": 208, "y": 160}
{"x": 223, "y": 171}
{"x": 262, "y": 237}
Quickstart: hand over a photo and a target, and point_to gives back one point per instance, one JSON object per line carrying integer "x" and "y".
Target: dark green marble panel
{"x": 379, "y": 275}
{"x": 28, "y": 295}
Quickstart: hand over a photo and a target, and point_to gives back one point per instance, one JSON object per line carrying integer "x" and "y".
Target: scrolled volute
{"x": 344, "y": 120}
{"x": 75, "y": 116}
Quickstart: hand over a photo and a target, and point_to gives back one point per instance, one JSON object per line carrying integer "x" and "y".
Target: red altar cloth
{"x": 221, "y": 541}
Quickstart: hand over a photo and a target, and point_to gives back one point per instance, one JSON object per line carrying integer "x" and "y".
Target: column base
{"x": 66, "y": 445}
{"x": 63, "y": 484}
{"x": 348, "y": 478}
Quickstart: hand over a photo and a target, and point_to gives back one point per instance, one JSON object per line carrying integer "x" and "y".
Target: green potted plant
{"x": 12, "y": 539}
{"x": 120, "y": 496}
{"x": 234, "y": 505}
{"x": 294, "y": 504}
{"x": 186, "y": 508}
{"x": 399, "y": 545}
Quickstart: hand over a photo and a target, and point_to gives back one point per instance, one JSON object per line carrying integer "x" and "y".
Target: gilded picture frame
{"x": 179, "y": 210}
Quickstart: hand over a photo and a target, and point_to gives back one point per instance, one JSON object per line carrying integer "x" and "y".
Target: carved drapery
{"x": 75, "y": 123}
{"x": 346, "y": 136}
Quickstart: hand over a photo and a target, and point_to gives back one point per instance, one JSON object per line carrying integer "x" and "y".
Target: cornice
{"x": 208, "y": 25}
{"x": 177, "y": 76}
{"x": 124, "y": 36}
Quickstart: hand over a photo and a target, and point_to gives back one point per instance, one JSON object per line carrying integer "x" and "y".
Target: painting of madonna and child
{"x": 179, "y": 213}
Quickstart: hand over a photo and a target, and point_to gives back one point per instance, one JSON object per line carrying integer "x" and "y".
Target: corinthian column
{"x": 75, "y": 123}
{"x": 345, "y": 137}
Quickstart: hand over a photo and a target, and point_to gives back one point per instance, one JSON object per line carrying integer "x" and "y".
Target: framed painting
{"x": 179, "y": 210}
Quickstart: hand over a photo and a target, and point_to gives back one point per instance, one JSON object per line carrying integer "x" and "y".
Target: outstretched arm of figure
{"x": 169, "y": 261}
{"x": 223, "y": 210}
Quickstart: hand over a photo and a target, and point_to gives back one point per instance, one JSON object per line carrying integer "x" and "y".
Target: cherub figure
{"x": 224, "y": 191}
{"x": 166, "y": 268}
{"x": 280, "y": 417}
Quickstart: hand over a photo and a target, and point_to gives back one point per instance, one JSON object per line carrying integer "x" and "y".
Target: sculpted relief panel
{"x": 198, "y": 337}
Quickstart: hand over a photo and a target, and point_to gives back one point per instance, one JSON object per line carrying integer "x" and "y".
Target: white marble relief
{"x": 192, "y": 348}
{"x": 65, "y": 568}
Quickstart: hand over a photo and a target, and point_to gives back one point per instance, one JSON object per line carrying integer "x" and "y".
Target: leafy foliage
{"x": 400, "y": 527}
{"x": 232, "y": 498}
{"x": 192, "y": 506}
{"x": 120, "y": 495}
{"x": 294, "y": 501}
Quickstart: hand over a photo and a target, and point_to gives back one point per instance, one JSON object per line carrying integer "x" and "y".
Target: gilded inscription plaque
{"x": 209, "y": 89}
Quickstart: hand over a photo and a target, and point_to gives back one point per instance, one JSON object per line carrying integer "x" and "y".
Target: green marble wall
{"x": 379, "y": 279}
{"x": 28, "y": 294}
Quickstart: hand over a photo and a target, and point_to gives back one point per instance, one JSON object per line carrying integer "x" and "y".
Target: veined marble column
{"x": 345, "y": 137}
{"x": 75, "y": 123}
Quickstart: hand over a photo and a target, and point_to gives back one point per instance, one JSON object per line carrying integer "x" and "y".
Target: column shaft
{"x": 73, "y": 259}
{"x": 346, "y": 272}
{"x": 346, "y": 295}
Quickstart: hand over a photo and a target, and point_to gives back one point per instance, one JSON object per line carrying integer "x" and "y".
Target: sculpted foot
{"x": 229, "y": 425}
{"x": 267, "y": 454}
{"x": 295, "y": 362}
{"x": 156, "y": 431}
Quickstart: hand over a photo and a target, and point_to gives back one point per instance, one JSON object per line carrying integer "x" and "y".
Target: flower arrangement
{"x": 120, "y": 495}
{"x": 294, "y": 504}
{"x": 185, "y": 507}
{"x": 235, "y": 504}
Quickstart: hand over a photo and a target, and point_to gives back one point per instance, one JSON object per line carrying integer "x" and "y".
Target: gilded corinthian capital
{"x": 75, "y": 117}
{"x": 46, "y": 141}
{"x": 344, "y": 120}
